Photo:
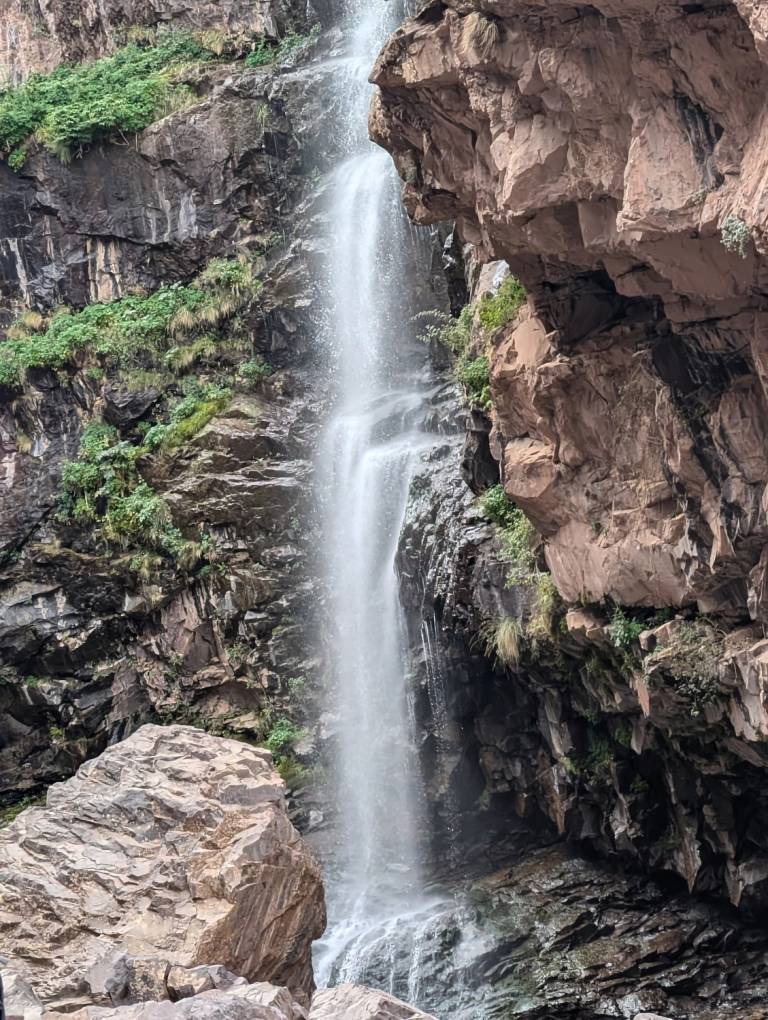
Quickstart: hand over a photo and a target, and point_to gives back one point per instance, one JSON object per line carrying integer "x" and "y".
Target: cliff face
{"x": 613, "y": 156}
{"x": 601, "y": 152}
{"x": 40, "y": 35}
{"x": 94, "y": 636}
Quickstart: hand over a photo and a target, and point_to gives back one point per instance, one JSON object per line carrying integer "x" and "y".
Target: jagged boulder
{"x": 354, "y": 1002}
{"x": 174, "y": 844}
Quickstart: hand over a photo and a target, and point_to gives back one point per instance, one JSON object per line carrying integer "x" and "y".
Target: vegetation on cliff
{"x": 121, "y": 94}
{"x": 125, "y": 332}
{"x": 470, "y": 334}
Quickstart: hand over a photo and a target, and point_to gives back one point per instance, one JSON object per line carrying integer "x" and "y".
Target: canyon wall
{"x": 613, "y": 156}
{"x": 92, "y": 642}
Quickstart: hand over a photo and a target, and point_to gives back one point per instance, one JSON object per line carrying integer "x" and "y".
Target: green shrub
{"x": 496, "y": 311}
{"x": 517, "y": 538}
{"x": 453, "y": 333}
{"x": 624, "y": 630}
{"x": 255, "y": 371}
{"x": 118, "y": 95}
{"x": 282, "y": 737}
{"x": 475, "y": 376}
{"x": 104, "y": 487}
{"x": 497, "y": 506}
{"x": 126, "y": 331}
{"x": 735, "y": 235}
{"x": 597, "y": 765}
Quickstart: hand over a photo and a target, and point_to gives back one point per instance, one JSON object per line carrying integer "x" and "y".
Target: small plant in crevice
{"x": 474, "y": 374}
{"x": 689, "y": 659}
{"x": 498, "y": 310}
{"x": 281, "y": 740}
{"x": 12, "y": 812}
{"x": 518, "y": 536}
{"x": 266, "y": 52}
{"x": 624, "y": 630}
{"x": 502, "y": 640}
{"x": 735, "y": 235}
{"x": 255, "y": 371}
{"x": 599, "y": 760}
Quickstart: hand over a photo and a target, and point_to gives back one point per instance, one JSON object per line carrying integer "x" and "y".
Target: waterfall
{"x": 370, "y": 448}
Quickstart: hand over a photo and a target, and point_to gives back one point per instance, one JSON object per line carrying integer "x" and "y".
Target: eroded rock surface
{"x": 39, "y": 36}
{"x": 612, "y": 155}
{"x": 172, "y": 844}
{"x": 601, "y": 152}
{"x": 353, "y": 1002}
{"x": 89, "y": 649}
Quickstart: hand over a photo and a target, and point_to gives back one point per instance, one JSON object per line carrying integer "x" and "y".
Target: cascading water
{"x": 386, "y": 927}
{"x": 367, "y": 458}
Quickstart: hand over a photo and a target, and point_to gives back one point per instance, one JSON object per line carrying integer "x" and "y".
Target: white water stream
{"x": 369, "y": 451}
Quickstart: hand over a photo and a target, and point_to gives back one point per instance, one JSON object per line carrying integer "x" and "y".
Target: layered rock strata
{"x": 90, "y": 648}
{"x": 612, "y": 155}
{"x": 173, "y": 844}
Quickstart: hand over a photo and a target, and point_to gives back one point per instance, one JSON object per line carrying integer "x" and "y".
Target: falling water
{"x": 370, "y": 449}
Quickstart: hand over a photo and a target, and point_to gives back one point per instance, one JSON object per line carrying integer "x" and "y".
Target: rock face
{"x": 173, "y": 843}
{"x": 558, "y": 937}
{"x": 352, "y": 1002}
{"x": 88, "y": 649}
{"x": 612, "y": 156}
{"x": 39, "y": 36}
{"x": 607, "y": 184}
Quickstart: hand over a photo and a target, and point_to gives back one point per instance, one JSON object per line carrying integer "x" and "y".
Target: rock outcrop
{"x": 353, "y": 1002}
{"x": 173, "y": 844}
{"x": 88, "y": 648}
{"x": 612, "y": 156}
{"x": 39, "y": 36}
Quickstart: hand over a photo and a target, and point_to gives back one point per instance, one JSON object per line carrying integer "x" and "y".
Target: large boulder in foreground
{"x": 355, "y": 1002}
{"x": 173, "y": 843}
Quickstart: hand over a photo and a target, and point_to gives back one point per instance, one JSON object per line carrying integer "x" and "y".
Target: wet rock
{"x": 198, "y": 864}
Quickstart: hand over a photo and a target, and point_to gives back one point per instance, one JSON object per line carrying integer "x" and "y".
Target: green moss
{"x": 188, "y": 417}
{"x": 126, "y": 332}
{"x": 498, "y": 310}
{"x": 74, "y": 106}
